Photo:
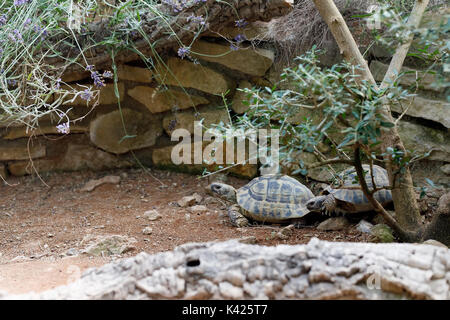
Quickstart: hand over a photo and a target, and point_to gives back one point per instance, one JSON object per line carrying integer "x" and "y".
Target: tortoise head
{"x": 222, "y": 190}
{"x": 325, "y": 203}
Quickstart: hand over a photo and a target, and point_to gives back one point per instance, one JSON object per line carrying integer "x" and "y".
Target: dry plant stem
{"x": 405, "y": 235}
{"x": 403, "y": 193}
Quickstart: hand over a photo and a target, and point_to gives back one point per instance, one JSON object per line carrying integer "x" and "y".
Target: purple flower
{"x": 240, "y": 38}
{"x": 3, "y": 20}
{"x": 18, "y": 35}
{"x": 197, "y": 19}
{"x": 241, "y": 23}
{"x": 20, "y": 2}
{"x": 98, "y": 81}
{"x": 63, "y": 128}
{"x": 27, "y": 22}
{"x": 90, "y": 67}
{"x": 107, "y": 74}
{"x": 58, "y": 83}
{"x": 234, "y": 47}
{"x": 38, "y": 29}
{"x": 183, "y": 52}
{"x": 172, "y": 124}
{"x": 86, "y": 95}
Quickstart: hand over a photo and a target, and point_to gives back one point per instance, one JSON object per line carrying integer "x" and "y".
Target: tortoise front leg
{"x": 237, "y": 219}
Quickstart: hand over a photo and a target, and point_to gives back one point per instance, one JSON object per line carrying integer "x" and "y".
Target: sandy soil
{"x": 39, "y": 224}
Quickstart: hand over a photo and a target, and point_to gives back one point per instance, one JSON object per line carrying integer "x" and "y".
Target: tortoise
{"x": 272, "y": 198}
{"x": 348, "y": 197}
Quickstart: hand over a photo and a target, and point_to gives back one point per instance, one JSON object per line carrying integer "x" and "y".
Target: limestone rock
{"x": 187, "y": 201}
{"x": 43, "y": 129}
{"x": 162, "y": 157}
{"x": 187, "y": 74}
{"x": 92, "y": 184}
{"x": 107, "y": 131}
{"x": 3, "y": 171}
{"x": 152, "y": 215}
{"x": 78, "y": 156}
{"x": 364, "y": 227}
{"x": 147, "y": 231}
{"x": 333, "y": 224}
{"x": 323, "y": 174}
{"x": 249, "y": 60}
{"x": 198, "y": 209}
{"x": 444, "y": 204}
{"x": 435, "y": 110}
{"x": 412, "y": 76}
{"x": 136, "y": 74}
{"x": 253, "y": 31}
{"x": 286, "y": 232}
{"x": 317, "y": 270}
{"x": 432, "y": 242}
{"x": 240, "y": 96}
{"x": 185, "y": 119}
{"x": 423, "y": 139}
{"x": 163, "y": 100}
{"x": 107, "y": 245}
{"x": 19, "y": 150}
{"x": 106, "y": 95}
{"x": 75, "y": 76}
{"x": 446, "y": 169}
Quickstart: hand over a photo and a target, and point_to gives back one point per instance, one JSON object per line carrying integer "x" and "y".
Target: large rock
{"x": 423, "y": 139}
{"x": 3, "y": 171}
{"x": 187, "y": 74}
{"x": 43, "y": 129}
{"x": 249, "y": 60}
{"x": 78, "y": 156}
{"x": 323, "y": 173}
{"x": 317, "y": 270}
{"x": 435, "y": 110}
{"x": 136, "y": 74}
{"x": 237, "y": 105}
{"x": 107, "y": 131}
{"x": 163, "y": 100}
{"x": 257, "y": 30}
{"x": 162, "y": 157}
{"x": 334, "y": 224}
{"x": 185, "y": 119}
{"x": 106, "y": 95}
{"x": 20, "y": 150}
{"x": 412, "y": 76}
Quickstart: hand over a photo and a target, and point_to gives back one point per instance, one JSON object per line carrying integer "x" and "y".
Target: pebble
{"x": 152, "y": 215}
{"x": 72, "y": 252}
{"x": 198, "y": 209}
{"x": 364, "y": 226}
{"x": 147, "y": 231}
{"x": 187, "y": 201}
{"x": 333, "y": 224}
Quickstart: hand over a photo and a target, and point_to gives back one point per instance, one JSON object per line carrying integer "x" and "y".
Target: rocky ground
{"x": 50, "y": 233}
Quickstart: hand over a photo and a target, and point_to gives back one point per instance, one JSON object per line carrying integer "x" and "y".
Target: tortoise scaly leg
{"x": 237, "y": 219}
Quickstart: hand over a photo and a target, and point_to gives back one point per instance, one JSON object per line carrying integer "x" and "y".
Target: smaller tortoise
{"x": 270, "y": 198}
{"x": 348, "y": 197}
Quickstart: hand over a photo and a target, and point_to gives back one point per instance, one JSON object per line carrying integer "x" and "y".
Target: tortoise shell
{"x": 349, "y": 190}
{"x": 274, "y": 198}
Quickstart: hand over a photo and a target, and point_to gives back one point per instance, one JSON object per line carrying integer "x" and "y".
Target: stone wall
{"x": 154, "y": 103}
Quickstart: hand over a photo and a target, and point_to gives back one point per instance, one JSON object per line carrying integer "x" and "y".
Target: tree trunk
{"x": 234, "y": 270}
{"x": 407, "y": 210}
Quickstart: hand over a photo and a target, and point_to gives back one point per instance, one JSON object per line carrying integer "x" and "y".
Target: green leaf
{"x": 387, "y": 124}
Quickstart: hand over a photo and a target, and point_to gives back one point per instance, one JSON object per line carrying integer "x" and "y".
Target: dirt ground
{"x": 40, "y": 224}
